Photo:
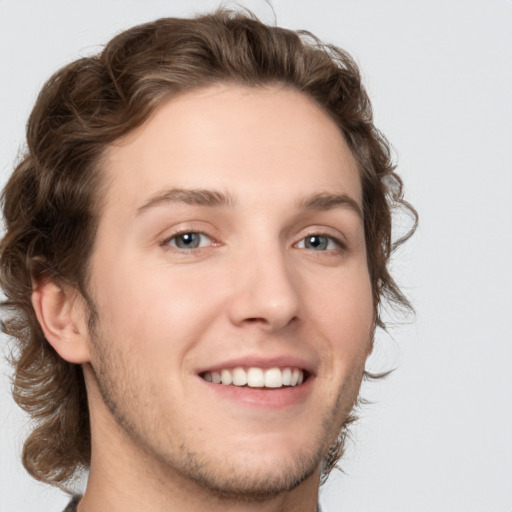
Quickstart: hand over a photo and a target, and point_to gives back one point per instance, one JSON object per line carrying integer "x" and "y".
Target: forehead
{"x": 233, "y": 137}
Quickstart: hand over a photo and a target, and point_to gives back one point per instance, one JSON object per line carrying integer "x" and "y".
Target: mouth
{"x": 258, "y": 378}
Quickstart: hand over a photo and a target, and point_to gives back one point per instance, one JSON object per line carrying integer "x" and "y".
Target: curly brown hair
{"x": 52, "y": 200}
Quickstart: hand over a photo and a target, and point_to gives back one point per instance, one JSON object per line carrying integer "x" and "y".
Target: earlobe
{"x": 62, "y": 319}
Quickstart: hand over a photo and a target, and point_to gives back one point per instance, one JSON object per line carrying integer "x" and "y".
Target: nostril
{"x": 269, "y": 322}
{"x": 256, "y": 320}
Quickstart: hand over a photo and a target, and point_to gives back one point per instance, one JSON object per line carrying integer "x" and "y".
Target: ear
{"x": 61, "y": 313}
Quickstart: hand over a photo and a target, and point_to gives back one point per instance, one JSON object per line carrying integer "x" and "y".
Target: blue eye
{"x": 318, "y": 243}
{"x": 189, "y": 240}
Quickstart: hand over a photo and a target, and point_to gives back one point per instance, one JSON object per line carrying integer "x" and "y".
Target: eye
{"x": 319, "y": 243}
{"x": 189, "y": 240}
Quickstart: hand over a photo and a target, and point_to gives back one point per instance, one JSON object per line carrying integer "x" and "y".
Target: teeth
{"x": 239, "y": 377}
{"x": 257, "y": 377}
{"x": 226, "y": 377}
{"x": 287, "y": 377}
{"x": 273, "y": 378}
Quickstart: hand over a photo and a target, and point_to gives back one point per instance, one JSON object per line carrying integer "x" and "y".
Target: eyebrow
{"x": 326, "y": 201}
{"x": 215, "y": 198}
{"x": 200, "y": 197}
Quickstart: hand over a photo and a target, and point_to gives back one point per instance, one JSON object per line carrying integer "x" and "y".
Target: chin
{"x": 257, "y": 481}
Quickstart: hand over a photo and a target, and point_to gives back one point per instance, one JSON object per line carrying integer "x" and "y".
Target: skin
{"x": 256, "y": 287}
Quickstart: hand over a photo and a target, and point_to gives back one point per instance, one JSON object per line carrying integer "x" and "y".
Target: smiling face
{"x": 230, "y": 248}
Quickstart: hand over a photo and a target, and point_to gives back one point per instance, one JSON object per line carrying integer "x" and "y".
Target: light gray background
{"x": 438, "y": 437}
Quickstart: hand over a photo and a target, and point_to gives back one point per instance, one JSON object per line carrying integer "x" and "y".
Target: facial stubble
{"x": 119, "y": 382}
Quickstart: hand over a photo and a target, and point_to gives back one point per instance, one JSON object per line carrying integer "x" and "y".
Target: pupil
{"x": 317, "y": 242}
{"x": 187, "y": 240}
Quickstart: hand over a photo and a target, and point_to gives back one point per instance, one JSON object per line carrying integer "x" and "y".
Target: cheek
{"x": 344, "y": 313}
{"x": 156, "y": 309}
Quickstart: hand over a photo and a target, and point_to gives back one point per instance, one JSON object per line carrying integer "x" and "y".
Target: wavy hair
{"x": 52, "y": 201}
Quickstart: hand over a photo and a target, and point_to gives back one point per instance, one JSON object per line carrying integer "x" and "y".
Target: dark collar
{"x": 72, "y": 504}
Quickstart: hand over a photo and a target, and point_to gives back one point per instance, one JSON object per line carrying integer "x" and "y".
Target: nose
{"x": 265, "y": 292}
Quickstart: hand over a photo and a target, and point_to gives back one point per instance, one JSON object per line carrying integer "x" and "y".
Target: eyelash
{"x": 339, "y": 245}
{"x": 167, "y": 242}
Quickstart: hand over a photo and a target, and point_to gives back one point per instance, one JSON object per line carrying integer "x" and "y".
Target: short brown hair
{"x": 52, "y": 200}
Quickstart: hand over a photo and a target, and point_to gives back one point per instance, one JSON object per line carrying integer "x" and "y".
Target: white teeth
{"x": 287, "y": 377}
{"x": 239, "y": 377}
{"x": 295, "y": 377}
{"x": 226, "y": 377}
{"x": 273, "y": 378}
{"x": 257, "y": 377}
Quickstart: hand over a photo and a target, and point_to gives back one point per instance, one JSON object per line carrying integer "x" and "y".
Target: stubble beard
{"x": 232, "y": 483}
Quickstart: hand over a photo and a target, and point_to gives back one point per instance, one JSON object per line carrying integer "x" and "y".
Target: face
{"x": 231, "y": 248}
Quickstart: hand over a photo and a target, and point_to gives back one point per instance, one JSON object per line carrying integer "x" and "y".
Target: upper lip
{"x": 261, "y": 361}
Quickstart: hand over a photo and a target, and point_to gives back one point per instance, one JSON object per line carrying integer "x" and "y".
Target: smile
{"x": 257, "y": 377}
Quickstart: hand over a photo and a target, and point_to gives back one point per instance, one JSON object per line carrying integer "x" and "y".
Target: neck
{"x": 119, "y": 484}
{"x": 103, "y": 495}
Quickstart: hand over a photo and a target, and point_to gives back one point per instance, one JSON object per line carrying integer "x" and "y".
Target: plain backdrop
{"x": 438, "y": 434}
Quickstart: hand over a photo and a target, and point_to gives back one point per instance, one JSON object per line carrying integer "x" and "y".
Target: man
{"x": 196, "y": 250}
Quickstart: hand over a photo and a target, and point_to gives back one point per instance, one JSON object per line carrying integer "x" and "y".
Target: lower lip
{"x": 272, "y": 398}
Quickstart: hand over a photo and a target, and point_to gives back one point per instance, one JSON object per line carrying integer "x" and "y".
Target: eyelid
{"x": 339, "y": 245}
{"x": 165, "y": 243}
{"x": 337, "y": 237}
